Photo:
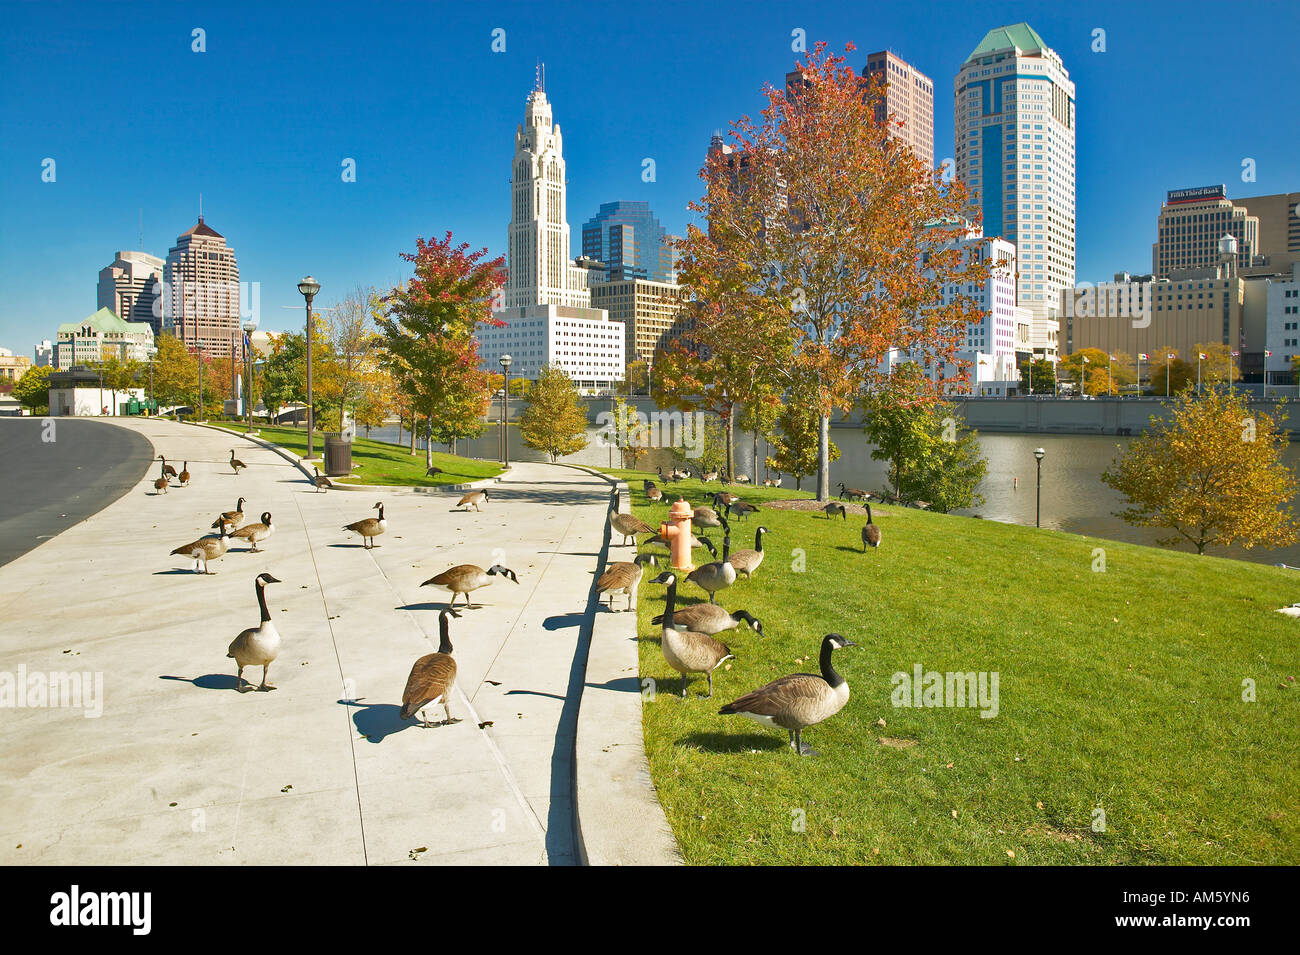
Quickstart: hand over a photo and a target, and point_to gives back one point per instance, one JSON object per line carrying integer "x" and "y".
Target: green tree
{"x": 1038, "y": 377}
{"x": 796, "y": 450}
{"x": 284, "y": 372}
{"x": 631, "y": 435}
{"x": 555, "y": 420}
{"x": 1212, "y": 474}
{"x": 1180, "y": 373}
{"x": 33, "y": 389}
{"x": 175, "y": 373}
{"x": 1092, "y": 374}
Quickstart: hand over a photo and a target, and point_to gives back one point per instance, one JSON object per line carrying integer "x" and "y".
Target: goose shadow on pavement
{"x": 375, "y": 721}
{"x": 209, "y": 681}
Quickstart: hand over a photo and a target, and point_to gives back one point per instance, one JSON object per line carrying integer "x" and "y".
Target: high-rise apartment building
{"x": 1014, "y": 122}
{"x": 201, "y": 298}
{"x": 131, "y": 286}
{"x": 909, "y": 98}
{"x": 651, "y": 313}
{"x": 537, "y": 247}
{"x": 629, "y": 240}
{"x": 1279, "y": 229}
{"x": 1190, "y": 225}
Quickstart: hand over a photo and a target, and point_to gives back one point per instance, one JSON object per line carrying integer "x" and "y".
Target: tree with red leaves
{"x": 428, "y": 328}
{"x": 828, "y": 244}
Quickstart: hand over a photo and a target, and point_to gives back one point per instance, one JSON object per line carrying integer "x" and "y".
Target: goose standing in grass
{"x": 473, "y": 499}
{"x": 748, "y": 561}
{"x": 465, "y": 579}
{"x": 433, "y": 470}
{"x": 769, "y": 482}
{"x": 185, "y": 474}
{"x": 742, "y": 478}
{"x": 707, "y": 476}
{"x": 256, "y": 533}
{"x": 715, "y": 576}
{"x": 853, "y": 493}
{"x": 722, "y": 498}
{"x": 235, "y": 463}
{"x": 800, "y": 700}
{"x": 654, "y": 494}
{"x": 629, "y": 525}
{"x": 703, "y": 516}
{"x": 711, "y": 619}
{"x": 833, "y": 508}
{"x": 321, "y": 481}
{"x": 167, "y": 470}
{"x": 432, "y": 679}
{"x": 870, "y": 532}
{"x": 688, "y": 651}
{"x": 369, "y": 528}
{"x": 206, "y": 548}
{"x": 623, "y": 577}
{"x": 257, "y": 646}
{"x": 740, "y": 507}
{"x": 233, "y": 518}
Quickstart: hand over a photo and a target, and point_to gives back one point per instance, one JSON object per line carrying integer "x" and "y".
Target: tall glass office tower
{"x": 626, "y": 236}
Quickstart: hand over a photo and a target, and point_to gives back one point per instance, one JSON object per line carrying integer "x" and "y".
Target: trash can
{"x": 338, "y": 454}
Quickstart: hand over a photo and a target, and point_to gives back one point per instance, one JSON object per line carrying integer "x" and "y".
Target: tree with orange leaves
{"x": 828, "y": 244}
{"x": 428, "y": 328}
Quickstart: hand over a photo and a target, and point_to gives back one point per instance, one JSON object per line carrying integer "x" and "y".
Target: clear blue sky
{"x": 260, "y": 123}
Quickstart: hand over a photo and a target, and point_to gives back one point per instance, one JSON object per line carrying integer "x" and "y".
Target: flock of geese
{"x": 688, "y": 635}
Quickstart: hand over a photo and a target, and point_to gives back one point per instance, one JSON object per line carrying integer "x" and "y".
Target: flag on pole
{"x": 1203, "y": 357}
{"x": 1087, "y": 360}
{"x": 1235, "y": 354}
{"x": 1110, "y": 357}
{"x": 1268, "y": 354}
{"x": 1143, "y": 356}
{"x": 1171, "y": 357}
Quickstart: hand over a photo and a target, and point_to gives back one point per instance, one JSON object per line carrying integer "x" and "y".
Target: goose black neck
{"x": 668, "y": 610}
{"x": 868, "y": 507}
{"x": 444, "y": 636}
{"x": 758, "y": 541}
{"x": 726, "y": 548}
{"x": 261, "y": 600}
{"x": 829, "y": 673}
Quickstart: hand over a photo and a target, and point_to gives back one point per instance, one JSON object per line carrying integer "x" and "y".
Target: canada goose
{"x": 769, "y": 482}
{"x": 235, "y": 463}
{"x": 688, "y": 651}
{"x": 654, "y": 494}
{"x": 369, "y": 528}
{"x": 834, "y": 508}
{"x": 321, "y": 481}
{"x": 923, "y": 505}
{"x": 799, "y": 700}
{"x": 747, "y": 561}
{"x": 474, "y": 498}
{"x": 431, "y": 679}
{"x": 711, "y": 619}
{"x": 257, "y": 646}
{"x": 742, "y": 478}
{"x": 870, "y": 532}
{"x": 432, "y": 470}
{"x": 853, "y": 493}
{"x": 185, "y": 474}
{"x": 233, "y": 518}
{"x": 715, "y": 576}
{"x": 256, "y": 533}
{"x": 705, "y": 517}
{"x": 629, "y": 525}
{"x": 707, "y": 476}
{"x": 206, "y": 548}
{"x": 680, "y": 474}
{"x": 622, "y": 577}
{"x": 668, "y": 478}
{"x": 740, "y": 507}
{"x": 160, "y": 485}
{"x": 167, "y": 470}
{"x": 466, "y": 578}
{"x": 722, "y": 498}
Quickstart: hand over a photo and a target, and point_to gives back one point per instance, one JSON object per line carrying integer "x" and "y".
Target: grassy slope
{"x": 1120, "y": 689}
{"x": 383, "y": 463}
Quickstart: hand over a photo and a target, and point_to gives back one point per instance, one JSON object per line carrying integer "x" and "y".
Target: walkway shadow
{"x": 731, "y": 742}
{"x": 374, "y": 721}
{"x": 209, "y": 681}
{"x": 174, "y": 571}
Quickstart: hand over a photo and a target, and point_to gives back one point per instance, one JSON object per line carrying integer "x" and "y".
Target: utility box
{"x": 338, "y": 454}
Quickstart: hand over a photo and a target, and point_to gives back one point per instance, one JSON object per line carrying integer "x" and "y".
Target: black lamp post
{"x": 309, "y": 287}
{"x": 250, "y": 326}
{"x": 505, "y": 409}
{"x": 1038, "y": 502}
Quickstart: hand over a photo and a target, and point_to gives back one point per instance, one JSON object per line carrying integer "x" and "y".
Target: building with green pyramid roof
{"x": 99, "y": 336}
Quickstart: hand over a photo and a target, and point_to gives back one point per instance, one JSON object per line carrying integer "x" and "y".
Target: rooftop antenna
{"x": 537, "y": 75}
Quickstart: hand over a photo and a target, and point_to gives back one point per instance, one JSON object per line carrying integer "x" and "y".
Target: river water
{"x": 1073, "y": 497}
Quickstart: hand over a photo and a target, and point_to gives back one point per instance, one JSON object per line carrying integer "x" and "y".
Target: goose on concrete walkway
{"x": 160, "y": 485}
{"x": 432, "y": 679}
{"x": 185, "y": 474}
{"x": 235, "y": 463}
{"x": 473, "y": 499}
{"x": 205, "y": 549}
{"x": 870, "y": 532}
{"x": 256, "y": 533}
{"x": 233, "y": 518}
{"x": 321, "y": 481}
{"x": 167, "y": 470}
{"x": 467, "y": 578}
{"x": 623, "y": 577}
{"x": 711, "y": 619}
{"x": 798, "y": 701}
{"x": 688, "y": 651}
{"x": 257, "y": 646}
{"x": 370, "y": 527}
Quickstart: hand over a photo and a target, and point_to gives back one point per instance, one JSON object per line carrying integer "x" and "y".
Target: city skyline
{"x": 277, "y": 186}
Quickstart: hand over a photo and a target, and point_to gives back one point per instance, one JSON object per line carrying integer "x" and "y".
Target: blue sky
{"x": 261, "y": 122}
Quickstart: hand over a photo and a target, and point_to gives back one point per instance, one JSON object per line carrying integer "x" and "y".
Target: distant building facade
{"x": 202, "y": 295}
{"x": 100, "y": 336}
{"x": 583, "y": 342}
{"x": 909, "y": 97}
{"x": 628, "y": 238}
{"x": 131, "y": 286}
{"x": 651, "y": 313}
{"x": 44, "y": 354}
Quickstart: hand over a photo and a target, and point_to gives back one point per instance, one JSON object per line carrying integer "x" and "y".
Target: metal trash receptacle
{"x": 338, "y": 454}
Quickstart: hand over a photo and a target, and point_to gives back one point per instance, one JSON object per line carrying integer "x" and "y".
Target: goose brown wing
{"x": 788, "y": 694}
{"x": 453, "y": 575}
{"x": 745, "y": 560}
{"x": 617, "y": 576}
{"x": 431, "y": 677}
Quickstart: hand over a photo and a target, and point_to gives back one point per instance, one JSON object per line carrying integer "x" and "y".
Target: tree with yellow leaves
{"x": 1213, "y": 474}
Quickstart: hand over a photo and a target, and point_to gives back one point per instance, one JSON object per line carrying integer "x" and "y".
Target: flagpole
{"x": 1198, "y": 373}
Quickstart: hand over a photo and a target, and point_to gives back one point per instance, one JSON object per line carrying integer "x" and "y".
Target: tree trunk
{"x": 824, "y": 458}
{"x": 755, "y": 455}
{"x": 731, "y": 453}
{"x": 412, "y": 433}
{"x": 428, "y": 444}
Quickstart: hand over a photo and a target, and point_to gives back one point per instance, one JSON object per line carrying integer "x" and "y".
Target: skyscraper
{"x": 130, "y": 285}
{"x": 537, "y": 249}
{"x": 628, "y": 238}
{"x": 201, "y": 299}
{"x": 1014, "y": 123}
{"x": 909, "y": 97}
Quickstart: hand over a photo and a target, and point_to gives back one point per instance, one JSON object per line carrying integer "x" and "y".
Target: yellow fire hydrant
{"x": 678, "y": 535}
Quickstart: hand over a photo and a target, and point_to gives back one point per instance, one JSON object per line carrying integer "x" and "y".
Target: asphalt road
{"x": 48, "y": 486}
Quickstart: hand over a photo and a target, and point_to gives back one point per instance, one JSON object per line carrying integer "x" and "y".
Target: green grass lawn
{"x": 383, "y": 463}
{"x": 1119, "y": 689}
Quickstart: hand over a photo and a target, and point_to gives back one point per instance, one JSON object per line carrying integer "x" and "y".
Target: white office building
{"x": 1282, "y": 338}
{"x": 584, "y": 342}
{"x": 131, "y": 287}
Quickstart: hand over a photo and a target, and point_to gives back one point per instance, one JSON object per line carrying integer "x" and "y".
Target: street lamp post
{"x": 309, "y": 287}
{"x": 1038, "y": 500}
{"x": 250, "y": 326}
{"x": 505, "y": 409}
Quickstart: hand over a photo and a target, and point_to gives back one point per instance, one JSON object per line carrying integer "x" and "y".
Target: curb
{"x": 297, "y": 462}
{"x": 618, "y": 819}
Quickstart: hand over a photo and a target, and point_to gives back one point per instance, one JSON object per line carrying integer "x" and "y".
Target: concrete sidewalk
{"x": 181, "y": 769}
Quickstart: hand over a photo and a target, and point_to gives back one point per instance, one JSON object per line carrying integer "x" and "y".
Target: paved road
{"x": 51, "y": 485}
{"x": 180, "y": 769}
